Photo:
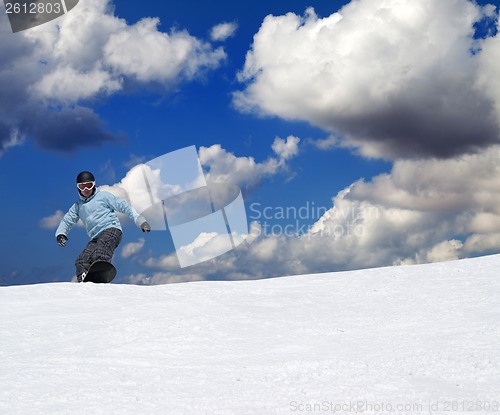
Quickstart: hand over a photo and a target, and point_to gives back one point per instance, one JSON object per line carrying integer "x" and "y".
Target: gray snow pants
{"x": 101, "y": 248}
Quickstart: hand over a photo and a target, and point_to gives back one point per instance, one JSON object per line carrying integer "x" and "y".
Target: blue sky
{"x": 383, "y": 116}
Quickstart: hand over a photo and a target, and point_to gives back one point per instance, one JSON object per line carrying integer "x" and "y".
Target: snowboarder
{"x": 96, "y": 209}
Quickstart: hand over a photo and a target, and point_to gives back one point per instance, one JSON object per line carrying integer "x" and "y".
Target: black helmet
{"x": 84, "y": 177}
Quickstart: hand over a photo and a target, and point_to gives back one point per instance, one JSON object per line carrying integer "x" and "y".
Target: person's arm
{"x": 120, "y": 205}
{"x": 67, "y": 222}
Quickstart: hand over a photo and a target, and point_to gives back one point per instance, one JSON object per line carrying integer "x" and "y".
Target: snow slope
{"x": 415, "y": 339}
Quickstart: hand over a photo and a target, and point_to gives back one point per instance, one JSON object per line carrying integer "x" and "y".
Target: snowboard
{"x": 100, "y": 272}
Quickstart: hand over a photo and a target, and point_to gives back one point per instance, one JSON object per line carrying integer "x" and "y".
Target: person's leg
{"x": 106, "y": 243}
{"x": 101, "y": 248}
{"x": 84, "y": 260}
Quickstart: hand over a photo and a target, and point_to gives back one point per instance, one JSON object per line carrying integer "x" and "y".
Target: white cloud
{"x": 144, "y": 53}
{"x": 422, "y": 211}
{"x": 392, "y": 78}
{"x": 326, "y": 143}
{"x": 65, "y": 84}
{"x": 445, "y": 251}
{"x": 132, "y": 248}
{"x": 417, "y": 212}
{"x": 95, "y": 50}
{"x": 15, "y": 139}
{"x": 207, "y": 245}
{"x": 168, "y": 262}
{"x": 51, "y": 222}
{"x": 86, "y": 54}
{"x": 133, "y": 187}
{"x": 286, "y": 149}
{"x": 483, "y": 242}
{"x": 225, "y": 167}
{"x": 265, "y": 249}
{"x": 223, "y": 31}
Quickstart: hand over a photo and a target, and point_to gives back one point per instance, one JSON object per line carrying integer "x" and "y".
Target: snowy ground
{"x": 419, "y": 339}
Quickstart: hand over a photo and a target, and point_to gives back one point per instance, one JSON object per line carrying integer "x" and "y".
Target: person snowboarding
{"x": 96, "y": 209}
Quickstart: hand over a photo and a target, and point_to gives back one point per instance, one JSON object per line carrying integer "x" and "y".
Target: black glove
{"x": 62, "y": 239}
{"x": 145, "y": 227}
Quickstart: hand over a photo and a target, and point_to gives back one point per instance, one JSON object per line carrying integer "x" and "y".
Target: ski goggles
{"x": 85, "y": 186}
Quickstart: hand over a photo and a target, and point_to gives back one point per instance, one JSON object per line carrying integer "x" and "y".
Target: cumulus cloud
{"x": 392, "y": 79}
{"x": 224, "y": 167}
{"x": 144, "y": 53}
{"x": 51, "y": 72}
{"x": 205, "y": 246}
{"x": 223, "y": 31}
{"x": 67, "y": 84}
{"x": 445, "y": 251}
{"x": 421, "y": 211}
{"x": 286, "y": 149}
{"x": 141, "y": 193}
{"x": 132, "y": 248}
{"x": 52, "y": 221}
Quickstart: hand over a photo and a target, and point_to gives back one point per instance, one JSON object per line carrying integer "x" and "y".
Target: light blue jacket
{"x": 98, "y": 213}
